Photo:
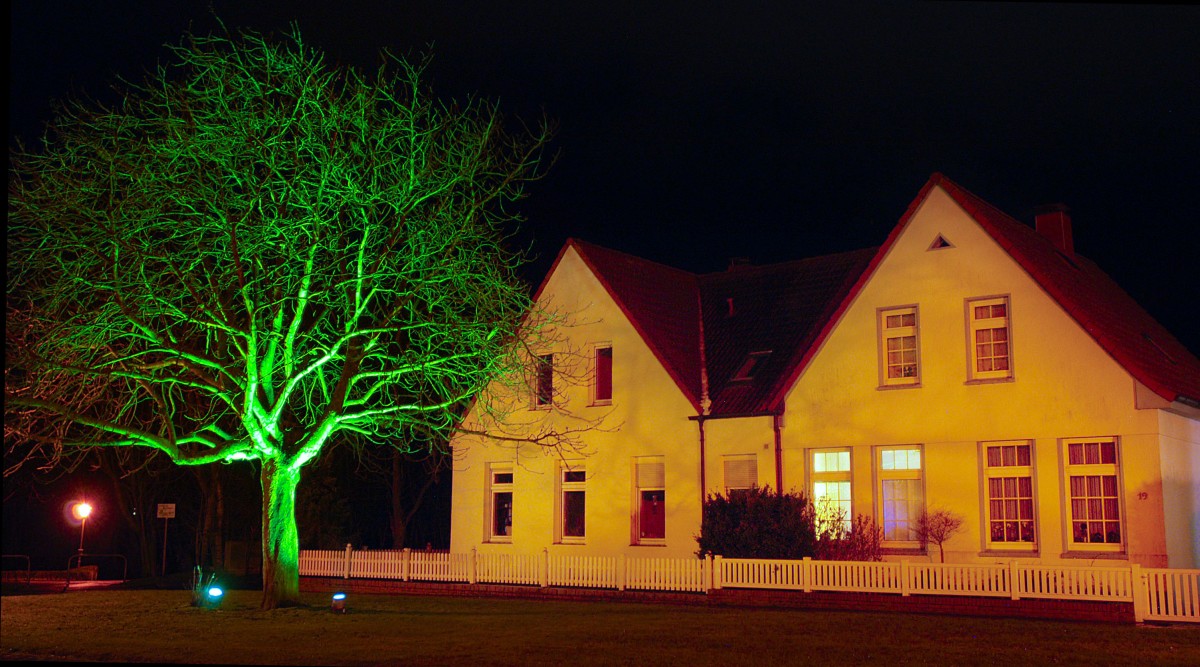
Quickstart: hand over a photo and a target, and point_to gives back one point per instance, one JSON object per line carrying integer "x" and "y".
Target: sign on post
{"x": 166, "y": 512}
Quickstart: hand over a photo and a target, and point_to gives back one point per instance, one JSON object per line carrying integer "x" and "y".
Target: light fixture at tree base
{"x": 209, "y": 598}
{"x": 338, "y": 606}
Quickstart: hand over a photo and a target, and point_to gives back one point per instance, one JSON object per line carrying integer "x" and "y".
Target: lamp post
{"x": 81, "y": 511}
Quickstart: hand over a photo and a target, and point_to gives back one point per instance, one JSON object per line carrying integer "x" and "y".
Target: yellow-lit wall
{"x": 648, "y": 417}
{"x": 1063, "y": 386}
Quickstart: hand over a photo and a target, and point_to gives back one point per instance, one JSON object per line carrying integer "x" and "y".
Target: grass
{"x": 160, "y": 626}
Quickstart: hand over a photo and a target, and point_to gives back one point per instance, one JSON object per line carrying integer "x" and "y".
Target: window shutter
{"x": 651, "y": 475}
{"x": 741, "y": 472}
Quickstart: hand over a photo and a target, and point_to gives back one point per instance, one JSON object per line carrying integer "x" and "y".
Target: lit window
{"x": 831, "y": 487}
{"x": 650, "y": 483}
{"x": 741, "y": 472}
{"x": 573, "y": 503}
{"x": 898, "y": 346}
{"x": 544, "y": 391}
{"x": 603, "y": 387}
{"x": 500, "y": 482}
{"x": 1093, "y": 483}
{"x": 901, "y": 493}
{"x": 1008, "y": 478}
{"x": 991, "y": 350}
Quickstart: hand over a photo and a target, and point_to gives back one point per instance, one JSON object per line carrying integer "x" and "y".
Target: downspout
{"x": 777, "y": 423}
{"x": 705, "y": 401}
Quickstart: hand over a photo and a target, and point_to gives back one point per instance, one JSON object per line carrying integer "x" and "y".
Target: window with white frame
{"x": 543, "y": 390}
{"x": 572, "y": 503}
{"x": 650, "y": 525}
{"x": 1094, "y": 486}
{"x": 602, "y": 385}
{"x": 990, "y": 338}
{"x": 741, "y": 472}
{"x": 500, "y": 505}
{"x": 1008, "y": 484}
{"x": 830, "y": 479}
{"x": 898, "y": 347}
{"x": 901, "y": 493}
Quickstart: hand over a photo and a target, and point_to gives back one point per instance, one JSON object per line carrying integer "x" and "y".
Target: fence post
{"x": 707, "y": 573}
{"x": 472, "y": 572}
{"x": 905, "y": 586}
{"x": 405, "y": 564}
{"x": 346, "y": 569}
{"x": 544, "y": 568}
{"x": 1014, "y": 581}
{"x": 1141, "y": 602}
{"x": 806, "y": 573}
{"x": 622, "y": 572}
{"x": 716, "y": 573}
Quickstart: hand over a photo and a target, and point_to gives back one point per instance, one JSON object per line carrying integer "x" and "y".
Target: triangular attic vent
{"x": 940, "y": 242}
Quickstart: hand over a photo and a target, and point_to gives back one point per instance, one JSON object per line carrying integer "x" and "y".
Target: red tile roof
{"x": 789, "y": 309}
{"x": 1122, "y": 328}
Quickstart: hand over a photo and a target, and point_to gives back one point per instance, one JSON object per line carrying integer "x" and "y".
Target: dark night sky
{"x": 769, "y": 130}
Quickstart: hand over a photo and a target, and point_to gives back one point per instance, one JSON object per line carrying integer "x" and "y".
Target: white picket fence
{"x": 1156, "y": 594}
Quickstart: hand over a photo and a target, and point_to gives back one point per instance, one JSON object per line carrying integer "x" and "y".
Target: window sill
{"x": 1089, "y": 555}
{"x": 578, "y": 542}
{"x": 662, "y": 543}
{"x": 1010, "y": 553}
{"x": 889, "y": 387}
{"x": 600, "y": 404}
{"x": 989, "y": 380}
{"x": 499, "y": 540}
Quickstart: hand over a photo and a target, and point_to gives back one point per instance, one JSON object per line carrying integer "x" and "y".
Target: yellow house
{"x": 971, "y": 363}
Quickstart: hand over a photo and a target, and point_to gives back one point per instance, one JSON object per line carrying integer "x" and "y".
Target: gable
{"x": 660, "y": 302}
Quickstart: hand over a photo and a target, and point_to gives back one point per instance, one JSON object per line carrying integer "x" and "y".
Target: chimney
{"x": 1054, "y": 222}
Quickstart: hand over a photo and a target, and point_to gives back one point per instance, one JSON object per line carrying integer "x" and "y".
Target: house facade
{"x": 971, "y": 363}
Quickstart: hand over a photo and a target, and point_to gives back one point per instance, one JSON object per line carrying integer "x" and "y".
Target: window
{"x": 741, "y": 472}
{"x": 1093, "y": 483}
{"x": 991, "y": 352}
{"x": 1008, "y": 483}
{"x": 831, "y": 487}
{"x": 901, "y": 493}
{"x": 898, "y": 346}
{"x": 544, "y": 391}
{"x": 650, "y": 483}
{"x": 500, "y": 482}
{"x": 751, "y": 365}
{"x": 603, "y": 387}
{"x": 573, "y": 479}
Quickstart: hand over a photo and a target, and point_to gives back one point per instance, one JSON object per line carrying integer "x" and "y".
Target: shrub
{"x": 761, "y": 523}
{"x": 758, "y": 523}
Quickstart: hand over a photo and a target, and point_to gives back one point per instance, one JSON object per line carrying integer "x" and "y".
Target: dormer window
{"x": 751, "y": 365}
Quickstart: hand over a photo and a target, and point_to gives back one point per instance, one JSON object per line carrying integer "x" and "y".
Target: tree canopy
{"x": 255, "y": 253}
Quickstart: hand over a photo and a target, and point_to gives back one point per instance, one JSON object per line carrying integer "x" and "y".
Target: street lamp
{"x": 81, "y": 511}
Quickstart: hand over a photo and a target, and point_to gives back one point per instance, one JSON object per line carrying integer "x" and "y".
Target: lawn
{"x": 161, "y": 626}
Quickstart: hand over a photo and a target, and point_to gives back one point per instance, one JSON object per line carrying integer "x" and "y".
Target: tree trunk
{"x": 399, "y": 524}
{"x": 281, "y": 546}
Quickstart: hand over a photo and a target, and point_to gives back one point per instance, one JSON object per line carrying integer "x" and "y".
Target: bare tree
{"x": 255, "y": 254}
{"x": 938, "y": 525}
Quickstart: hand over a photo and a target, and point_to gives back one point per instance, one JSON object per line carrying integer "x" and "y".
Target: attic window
{"x": 751, "y": 365}
{"x": 940, "y": 242}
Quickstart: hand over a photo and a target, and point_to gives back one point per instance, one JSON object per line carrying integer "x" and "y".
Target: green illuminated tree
{"x": 255, "y": 254}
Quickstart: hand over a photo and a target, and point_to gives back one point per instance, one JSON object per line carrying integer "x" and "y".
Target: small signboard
{"x": 166, "y": 510}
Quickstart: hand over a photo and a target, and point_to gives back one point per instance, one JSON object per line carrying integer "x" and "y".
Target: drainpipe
{"x": 703, "y": 484}
{"x": 777, "y": 423}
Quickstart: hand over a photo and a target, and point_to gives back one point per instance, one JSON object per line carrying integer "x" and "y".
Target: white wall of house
{"x": 647, "y": 417}
{"x": 1063, "y": 386}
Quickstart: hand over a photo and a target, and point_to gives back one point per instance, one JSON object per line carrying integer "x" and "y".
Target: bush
{"x": 758, "y": 523}
{"x": 862, "y": 541}
{"x": 761, "y": 523}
